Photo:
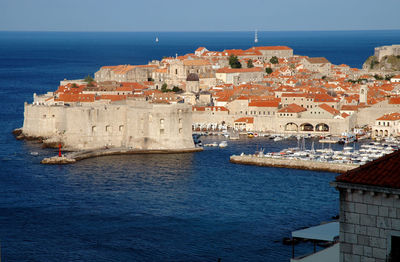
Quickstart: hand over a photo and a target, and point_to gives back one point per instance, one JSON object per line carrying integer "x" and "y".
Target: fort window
{"x": 108, "y": 128}
{"x": 180, "y": 121}
{"x": 162, "y": 131}
{"x": 121, "y": 128}
{"x": 180, "y": 130}
{"x": 44, "y": 116}
{"x": 93, "y": 129}
{"x": 395, "y": 249}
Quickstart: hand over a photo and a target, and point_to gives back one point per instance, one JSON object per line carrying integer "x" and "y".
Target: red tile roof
{"x": 249, "y": 120}
{"x": 394, "y": 100}
{"x": 261, "y": 103}
{"x": 329, "y": 109}
{"x": 382, "y": 172}
{"x": 390, "y": 117}
{"x": 292, "y": 108}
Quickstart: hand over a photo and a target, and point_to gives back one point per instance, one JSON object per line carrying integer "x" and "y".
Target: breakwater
{"x": 72, "y": 157}
{"x": 292, "y": 163}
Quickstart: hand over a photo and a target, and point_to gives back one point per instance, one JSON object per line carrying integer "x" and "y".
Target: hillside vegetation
{"x": 388, "y": 63}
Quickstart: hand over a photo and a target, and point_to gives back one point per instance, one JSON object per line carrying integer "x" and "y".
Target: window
{"x": 162, "y": 131}
{"x": 176, "y": 71}
{"x": 180, "y": 130}
{"x": 395, "y": 249}
{"x": 121, "y": 128}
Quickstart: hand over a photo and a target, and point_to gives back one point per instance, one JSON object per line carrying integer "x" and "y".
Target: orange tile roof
{"x": 197, "y": 62}
{"x": 329, "y": 109}
{"x": 390, "y": 117}
{"x": 292, "y": 108}
{"x": 394, "y": 100}
{"x": 318, "y": 60}
{"x": 261, "y": 103}
{"x": 248, "y": 120}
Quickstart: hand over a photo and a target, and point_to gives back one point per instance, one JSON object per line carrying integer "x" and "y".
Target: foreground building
{"x": 370, "y": 211}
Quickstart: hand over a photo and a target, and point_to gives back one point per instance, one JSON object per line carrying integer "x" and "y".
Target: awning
{"x": 325, "y": 232}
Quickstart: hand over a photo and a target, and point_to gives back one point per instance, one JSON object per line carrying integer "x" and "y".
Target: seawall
{"x": 292, "y": 163}
{"x": 72, "y": 157}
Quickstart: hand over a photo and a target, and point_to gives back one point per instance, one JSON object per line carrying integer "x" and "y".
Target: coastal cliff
{"x": 389, "y": 63}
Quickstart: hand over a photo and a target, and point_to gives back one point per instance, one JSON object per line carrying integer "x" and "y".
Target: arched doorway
{"x": 291, "y": 127}
{"x": 322, "y": 127}
{"x": 306, "y": 127}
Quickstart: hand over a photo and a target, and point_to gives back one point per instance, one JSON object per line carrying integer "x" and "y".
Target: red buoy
{"x": 59, "y": 150}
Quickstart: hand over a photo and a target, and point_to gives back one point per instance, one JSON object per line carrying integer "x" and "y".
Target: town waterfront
{"x": 177, "y": 207}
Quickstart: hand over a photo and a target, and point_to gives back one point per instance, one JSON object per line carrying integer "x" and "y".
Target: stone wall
{"x": 367, "y": 221}
{"x": 130, "y": 124}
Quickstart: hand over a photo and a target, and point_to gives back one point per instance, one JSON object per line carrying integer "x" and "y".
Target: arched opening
{"x": 380, "y": 132}
{"x": 291, "y": 127}
{"x": 306, "y": 127}
{"x": 386, "y": 133}
{"x": 322, "y": 127}
{"x": 376, "y": 132}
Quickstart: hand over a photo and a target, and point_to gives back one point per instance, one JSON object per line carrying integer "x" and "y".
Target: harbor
{"x": 292, "y": 163}
{"x": 323, "y": 159}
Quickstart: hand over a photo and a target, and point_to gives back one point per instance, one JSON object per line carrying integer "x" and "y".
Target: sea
{"x": 161, "y": 207}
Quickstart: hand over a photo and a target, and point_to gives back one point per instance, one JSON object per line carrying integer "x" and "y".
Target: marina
{"x": 324, "y": 159}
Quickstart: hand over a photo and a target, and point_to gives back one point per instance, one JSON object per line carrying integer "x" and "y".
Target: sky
{"x": 204, "y": 15}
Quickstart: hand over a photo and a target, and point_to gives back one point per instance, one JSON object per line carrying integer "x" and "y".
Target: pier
{"x": 73, "y": 157}
{"x": 292, "y": 163}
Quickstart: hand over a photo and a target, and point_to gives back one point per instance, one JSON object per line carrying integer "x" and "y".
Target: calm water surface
{"x": 178, "y": 207}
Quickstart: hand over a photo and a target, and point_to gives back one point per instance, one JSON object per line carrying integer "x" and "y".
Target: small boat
{"x": 278, "y": 138}
{"x": 250, "y": 135}
{"x": 223, "y": 144}
{"x": 34, "y": 153}
{"x": 157, "y": 39}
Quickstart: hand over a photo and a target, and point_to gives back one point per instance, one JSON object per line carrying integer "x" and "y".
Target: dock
{"x": 292, "y": 163}
{"x": 73, "y": 157}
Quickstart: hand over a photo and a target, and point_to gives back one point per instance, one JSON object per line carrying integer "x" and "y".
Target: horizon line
{"x": 192, "y": 31}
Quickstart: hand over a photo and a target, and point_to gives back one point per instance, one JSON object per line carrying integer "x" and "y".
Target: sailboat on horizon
{"x": 255, "y": 37}
{"x": 157, "y": 39}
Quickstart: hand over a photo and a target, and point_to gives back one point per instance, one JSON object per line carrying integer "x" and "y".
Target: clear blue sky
{"x": 204, "y": 15}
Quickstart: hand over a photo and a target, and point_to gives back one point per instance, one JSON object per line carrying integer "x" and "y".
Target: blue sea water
{"x": 178, "y": 207}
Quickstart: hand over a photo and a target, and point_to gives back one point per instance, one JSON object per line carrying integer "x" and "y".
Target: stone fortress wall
{"x": 388, "y": 50}
{"x": 126, "y": 124}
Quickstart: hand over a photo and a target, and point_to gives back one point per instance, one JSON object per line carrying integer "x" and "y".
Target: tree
{"x": 89, "y": 79}
{"x": 164, "y": 88}
{"x": 250, "y": 63}
{"x": 176, "y": 89}
{"x": 274, "y": 60}
{"x": 74, "y": 85}
{"x": 234, "y": 62}
{"x": 268, "y": 70}
{"x": 323, "y": 77}
{"x": 388, "y": 77}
